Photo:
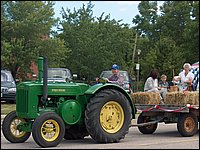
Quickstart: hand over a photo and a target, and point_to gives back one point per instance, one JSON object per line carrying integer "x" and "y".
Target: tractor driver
{"x": 116, "y": 77}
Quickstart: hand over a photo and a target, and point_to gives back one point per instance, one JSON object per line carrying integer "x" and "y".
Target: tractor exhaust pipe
{"x": 40, "y": 68}
{"x": 45, "y": 76}
{"x": 43, "y": 72}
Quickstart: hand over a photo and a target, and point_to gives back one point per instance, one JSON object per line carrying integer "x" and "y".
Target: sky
{"x": 118, "y": 10}
{"x": 125, "y": 10}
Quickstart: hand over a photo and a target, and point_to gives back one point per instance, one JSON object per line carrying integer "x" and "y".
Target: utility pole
{"x": 138, "y": 69}
{"x": 133, "y": 56}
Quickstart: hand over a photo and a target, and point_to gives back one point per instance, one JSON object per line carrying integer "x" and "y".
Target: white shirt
{"x": 150, "y": 84}
{"x": 184, "y": 78}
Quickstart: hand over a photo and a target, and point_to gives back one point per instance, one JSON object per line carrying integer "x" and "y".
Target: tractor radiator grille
{"x": 22, "y": 101}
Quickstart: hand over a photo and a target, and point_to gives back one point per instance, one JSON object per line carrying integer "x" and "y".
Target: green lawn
{"x": 6, "y": 108}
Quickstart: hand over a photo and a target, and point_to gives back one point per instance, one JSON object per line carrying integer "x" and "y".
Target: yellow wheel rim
{"x": 13, "y": 128}
{"x": 111, "y": 117}
{"x": 189, "y": 124}
{"x": 50, "y": 130}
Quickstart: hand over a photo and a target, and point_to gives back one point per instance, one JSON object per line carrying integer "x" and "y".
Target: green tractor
{"x": 69, "y": 110}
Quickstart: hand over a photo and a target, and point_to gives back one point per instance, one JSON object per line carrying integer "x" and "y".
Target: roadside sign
{"x": 137, "y": 66}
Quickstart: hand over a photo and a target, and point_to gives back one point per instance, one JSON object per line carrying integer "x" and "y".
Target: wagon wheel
{"x": 187, "y": 124}
{"x": 148, "y": 129}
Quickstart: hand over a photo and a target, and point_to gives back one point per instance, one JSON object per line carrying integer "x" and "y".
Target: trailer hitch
{"x": 146, "y": 123}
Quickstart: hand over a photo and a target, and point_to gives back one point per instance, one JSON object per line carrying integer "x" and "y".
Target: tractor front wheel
{"x": 108, "y": 116}
{"x": 48, "y": 129}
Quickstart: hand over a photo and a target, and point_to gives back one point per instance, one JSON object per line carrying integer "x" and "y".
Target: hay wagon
{"x": 180, "y": 108}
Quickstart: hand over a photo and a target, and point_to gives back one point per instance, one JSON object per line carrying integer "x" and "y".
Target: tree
{"x": 169, "y": 39}
{"x": 96, "y": 43}
{"x": 180, "y": 22}
{"x": 23, "y": 25}
{"x": 146, "y": 21}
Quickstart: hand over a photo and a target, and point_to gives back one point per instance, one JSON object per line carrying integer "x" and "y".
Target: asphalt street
{"x": 165, "y": 137}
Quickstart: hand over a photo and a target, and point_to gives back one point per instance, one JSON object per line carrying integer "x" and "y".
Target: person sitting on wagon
{"x": 163, "y": 86}
{"x": 185, "y": 78}
{"x": 151, "y": 84}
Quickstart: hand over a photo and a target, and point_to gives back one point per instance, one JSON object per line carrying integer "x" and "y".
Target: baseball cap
{"x": 116, "y": 67}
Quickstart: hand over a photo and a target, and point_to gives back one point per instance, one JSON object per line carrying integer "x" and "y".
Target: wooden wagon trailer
{"x": 186, "y": 115}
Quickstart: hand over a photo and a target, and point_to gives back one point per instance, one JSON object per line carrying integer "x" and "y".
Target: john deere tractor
{"x": 52, "y": 111}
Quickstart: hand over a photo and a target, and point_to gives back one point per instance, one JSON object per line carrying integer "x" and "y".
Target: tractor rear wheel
{"x": 108, "y": 116}
{"x": 10, "y": 131}
{"x": 75, "y": 133}
{"x": 48, "y": 129}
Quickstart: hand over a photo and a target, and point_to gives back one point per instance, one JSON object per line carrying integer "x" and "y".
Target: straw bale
{"x": 173, "y": 88}
{"x": 146, "y": 97}
{"x": 182, "y": 98}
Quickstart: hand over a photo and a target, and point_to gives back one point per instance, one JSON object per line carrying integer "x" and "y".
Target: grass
{"x": 6, "y": 108}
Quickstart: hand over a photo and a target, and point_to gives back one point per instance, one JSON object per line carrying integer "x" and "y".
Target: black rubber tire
{"x": 92, "y": 116}
{"x": 187, "y": 124}
{"x": 6, "y": 129}
{"x": 150, "y": 129}
{"x": 37, "y": 127}
{"x": 75, "y": 133}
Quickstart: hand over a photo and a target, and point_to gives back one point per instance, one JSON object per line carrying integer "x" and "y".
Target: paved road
{"x": 165, "y": 137}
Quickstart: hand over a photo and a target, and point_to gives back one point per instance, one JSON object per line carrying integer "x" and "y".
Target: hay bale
{"x": 173, "y": 88}
{"x": 192, "y": 97}
{"x": 182, "y": 98}
{"x": 146, "y": 97}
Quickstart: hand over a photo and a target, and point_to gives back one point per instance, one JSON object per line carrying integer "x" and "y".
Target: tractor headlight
{"x": 126, "y": 86}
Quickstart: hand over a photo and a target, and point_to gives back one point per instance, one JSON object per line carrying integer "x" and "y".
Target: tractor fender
{"x": 98, "y": 87}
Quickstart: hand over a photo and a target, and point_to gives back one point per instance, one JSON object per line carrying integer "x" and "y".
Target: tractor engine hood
{"x": 57, "y": 88}
{"x": 67, "y": 88}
